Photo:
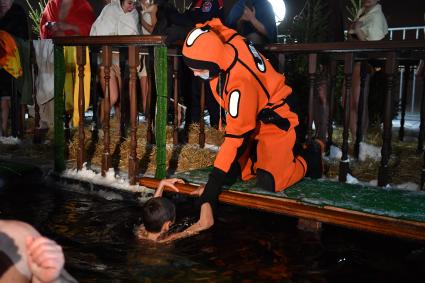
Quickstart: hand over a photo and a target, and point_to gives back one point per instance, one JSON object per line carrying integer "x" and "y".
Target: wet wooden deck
{"x": 385, "y": 211}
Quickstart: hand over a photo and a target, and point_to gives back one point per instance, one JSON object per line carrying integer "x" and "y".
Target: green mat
{"x": 374, "y": 200}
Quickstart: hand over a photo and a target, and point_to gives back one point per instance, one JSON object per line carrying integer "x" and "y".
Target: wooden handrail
{"x": 347, "y": 46}
{"x": 326, "y": 214}
{"x": 389, "y": 51}
{"x": 116, "y": 40}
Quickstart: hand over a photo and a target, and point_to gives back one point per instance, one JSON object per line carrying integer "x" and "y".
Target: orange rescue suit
{"x": 260, "y": 124}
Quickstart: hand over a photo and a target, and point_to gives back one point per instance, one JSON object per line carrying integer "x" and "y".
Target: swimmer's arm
{"x": 206, "y": 220}
{"x": 167, "y": 183}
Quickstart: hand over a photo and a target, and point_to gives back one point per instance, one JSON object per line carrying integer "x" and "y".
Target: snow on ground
{"x": 409, "y": 186}
{"x": 369, "y": 151}
{"x": 110, "y": 180}
{"x": 9, "y": 140}
{"x": 352, "y": 180}
{"x": 335, "y": 152}
{"x": 412, "y": 122}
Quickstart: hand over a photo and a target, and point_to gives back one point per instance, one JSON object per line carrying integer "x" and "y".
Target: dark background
{"x": 398, "y": 13}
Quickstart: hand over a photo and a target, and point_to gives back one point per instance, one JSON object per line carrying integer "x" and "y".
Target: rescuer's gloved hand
{"x": 213, "y": 188}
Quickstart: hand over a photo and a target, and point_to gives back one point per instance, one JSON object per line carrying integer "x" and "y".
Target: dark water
{"x": 244, "y": 245}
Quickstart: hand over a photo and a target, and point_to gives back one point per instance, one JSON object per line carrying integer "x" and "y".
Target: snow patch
{"x": 409, "y": 186}
{"x": 335, "y": 152}
{"x": 369, "y": 151}
{"x": 111, "y": 180}
{"x": 352, "y": 180}
{"x": 9, "y": 140}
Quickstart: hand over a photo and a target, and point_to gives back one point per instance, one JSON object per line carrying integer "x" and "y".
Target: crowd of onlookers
{"x": 254, "y": 19}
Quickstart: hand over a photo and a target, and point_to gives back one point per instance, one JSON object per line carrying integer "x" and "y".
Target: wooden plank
{"x": 326, "y": 214}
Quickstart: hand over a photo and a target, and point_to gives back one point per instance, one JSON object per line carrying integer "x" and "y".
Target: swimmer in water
{"x": 159, "y": 214}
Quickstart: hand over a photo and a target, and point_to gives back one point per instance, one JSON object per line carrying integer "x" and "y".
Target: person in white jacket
{"x": 369, "y": 25}
{"x": 117, "y": 18}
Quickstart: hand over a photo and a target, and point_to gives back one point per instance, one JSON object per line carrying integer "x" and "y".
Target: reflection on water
{"x": 245, "y": 245}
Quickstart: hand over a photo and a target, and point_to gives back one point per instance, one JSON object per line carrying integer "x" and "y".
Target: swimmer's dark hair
{"x": 157, "y": 211}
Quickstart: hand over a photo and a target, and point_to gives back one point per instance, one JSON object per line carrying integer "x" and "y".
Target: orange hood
{"x": 203, "y": 49}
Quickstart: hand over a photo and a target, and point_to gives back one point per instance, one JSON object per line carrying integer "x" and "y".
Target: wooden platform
{"x": 385, "y": 211}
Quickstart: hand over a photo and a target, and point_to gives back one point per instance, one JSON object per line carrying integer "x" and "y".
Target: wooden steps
{"x": 390, "y": 212}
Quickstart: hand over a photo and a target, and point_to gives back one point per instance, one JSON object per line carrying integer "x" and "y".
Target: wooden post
{"x": 94, "y": 83}
{"x": 331, "y": 105}
{"x": 14, "y": 109}
{"x": 176, "y": 100}
{"x": 282, "y": 61}
{"x": 67, "y": 129}
{"x": 123, "y": 94}
{"x": 406, "y": 80}
{"x": 348, "y": 71}
{"x": 106, "y": 63}
{"x": 36, "y": 138}
{"x": 161, "y": 113}
{"x": 383, "y": 175}
{"x": 133, "y": 62}
{"x": 59, "y": 83}
{"x": 421, "y": 136}
{"x": 148, "y": 114}
{"x": 312, "y": 65}
{"x": 201, "y": 116}
{"x": 362, "y": 105}
{"x": 81, "y": 61}
{"x": 422, "y": 132}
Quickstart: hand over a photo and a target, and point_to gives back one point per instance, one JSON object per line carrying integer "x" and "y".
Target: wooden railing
{"x": 390, "y": 52}
{"x": 107, "y": 42}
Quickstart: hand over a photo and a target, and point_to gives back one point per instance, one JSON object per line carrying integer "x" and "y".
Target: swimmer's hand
{"x": 142, "y": 233}
{"x": 199, "y": 191}
{"x": 167, "y": 183}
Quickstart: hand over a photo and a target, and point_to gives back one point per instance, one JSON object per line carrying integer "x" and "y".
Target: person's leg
{"x": 277, "y": 168}
{"x": 115, "y": 91}
{"x": 144, "y": 84}
{"x": 144, "y": 87}
{"x": 354, "y": 101}
{"x": 5, "y": 108}
{"x": 321, "y": 110}
{"x": 114, "y": 83}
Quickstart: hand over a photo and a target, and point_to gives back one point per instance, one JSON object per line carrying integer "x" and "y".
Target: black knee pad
{"x": 265, "y": 180}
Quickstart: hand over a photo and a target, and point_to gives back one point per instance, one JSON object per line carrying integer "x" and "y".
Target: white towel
{"x": 45, "y": 80}
{"x": 113, "y": 21}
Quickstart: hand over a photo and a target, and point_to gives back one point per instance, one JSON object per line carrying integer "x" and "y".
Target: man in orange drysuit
{"x": 260, "y": 134}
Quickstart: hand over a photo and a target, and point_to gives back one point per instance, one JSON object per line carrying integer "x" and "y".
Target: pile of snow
{"x": 369, "y": 151}
{"x": 335, "y": 152}
{"x": 9, "y": 140}
{"x": 409, "y": 186}
{"x": 111, "y": 179}
{"x": 352, "y": 180}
